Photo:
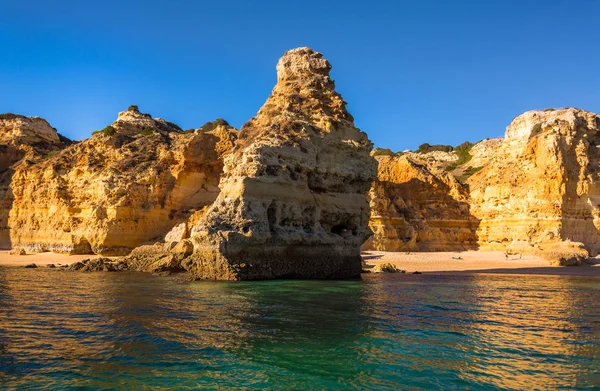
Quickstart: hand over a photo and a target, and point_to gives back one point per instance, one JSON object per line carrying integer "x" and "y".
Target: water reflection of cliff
{"x": 532, "y": 335}
{"x": 46, "y": 323}
{"x": 133, "y": 331}
{"x": 487, "y": 332}
{"x": 162, "y": 332}
{"x": 275, "y": 330}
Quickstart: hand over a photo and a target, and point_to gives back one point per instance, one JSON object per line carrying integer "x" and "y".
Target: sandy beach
{"x": 469, "y": 262}
{"x": 41, "y": 259}
{"x": 466, "y": 262}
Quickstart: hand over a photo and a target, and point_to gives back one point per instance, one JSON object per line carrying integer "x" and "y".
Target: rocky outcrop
{"x": 23, "y": 142}
{"x": 416, "y": 206}
{"x": 541, "y": 185}
{"x": 293, "y": 199}
{"x": 128, "y": 184}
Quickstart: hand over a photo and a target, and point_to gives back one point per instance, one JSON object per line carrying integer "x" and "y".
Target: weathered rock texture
{"x": 23, "y": 142}
{"x": 417, "y": 207}
{"x": 541, "y": 185}
{"x": 536, "y": 190}
{"x": 126, "y": 185}
{"x": 293, "y": 199}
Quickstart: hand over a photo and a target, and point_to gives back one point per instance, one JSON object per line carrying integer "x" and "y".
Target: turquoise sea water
{"x": 62, "y": 330}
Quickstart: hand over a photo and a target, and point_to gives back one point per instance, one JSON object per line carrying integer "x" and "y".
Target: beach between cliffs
{"x": 465, "y": 262}
{"x": 297, "y": 191}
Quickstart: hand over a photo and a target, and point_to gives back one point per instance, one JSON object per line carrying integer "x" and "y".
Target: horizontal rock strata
{"x": 541, "y": 185}
{"x": 297, "y": 193}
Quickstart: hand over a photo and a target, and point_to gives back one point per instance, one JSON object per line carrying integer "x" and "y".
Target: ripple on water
{"x": 62, "y": 330}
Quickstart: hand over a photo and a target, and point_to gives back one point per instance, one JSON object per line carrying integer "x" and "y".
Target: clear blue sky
{"x": 412, "y": 71}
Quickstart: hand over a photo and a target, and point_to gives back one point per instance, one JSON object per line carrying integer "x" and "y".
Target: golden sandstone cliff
{"x": 23, "y": 142}
{"x": 533, "y": 191}
{"x": 128, "y": 184}
{"x": 418, "y": 207}
{"x": 293, "y": 199}
{"x": 540, "y": 189}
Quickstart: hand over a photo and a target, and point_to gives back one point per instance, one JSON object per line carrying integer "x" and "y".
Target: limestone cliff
{"x": 128, "y": 184}
{"x": 535, "y": 190}
{"x": 293, "y": 199}
{"x": 417, "y": 207}
{"x": 23, "y": 141}
{"x": 541, "y": 185}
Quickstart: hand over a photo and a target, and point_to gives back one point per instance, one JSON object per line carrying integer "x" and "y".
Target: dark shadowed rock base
{"x": 260, "y": 263}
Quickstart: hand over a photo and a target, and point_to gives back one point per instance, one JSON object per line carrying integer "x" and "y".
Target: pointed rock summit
{"x": 293, "y": 199}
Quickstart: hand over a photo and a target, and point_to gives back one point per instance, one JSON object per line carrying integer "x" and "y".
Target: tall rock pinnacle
{"x": 293, "y": 199}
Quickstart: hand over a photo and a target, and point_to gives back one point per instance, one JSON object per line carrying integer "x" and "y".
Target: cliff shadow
{"x": 6, "y": 201}
{"x": 370, "y": 256}
{"x": 424, "y": 216}
{"x": 9, "y": 155}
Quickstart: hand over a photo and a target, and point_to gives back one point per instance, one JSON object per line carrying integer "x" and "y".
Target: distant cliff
{"x": 418, "y": 207}
{"x": 540, "y": 187}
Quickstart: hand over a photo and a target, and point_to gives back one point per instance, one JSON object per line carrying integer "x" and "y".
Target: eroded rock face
{"x": 418, "y": 207}
{"x": 536, "y": 190}
{"x": 293, "y": 199}
{"x": 23, "y": 142}
{"x": 541, "y": 186}
{"x": 126, "y": 185}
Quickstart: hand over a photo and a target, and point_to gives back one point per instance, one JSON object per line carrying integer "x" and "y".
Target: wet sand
{"x": 469, "y": 262}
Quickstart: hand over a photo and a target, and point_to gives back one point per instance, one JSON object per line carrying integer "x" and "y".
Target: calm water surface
{"x": 61, "y": 330}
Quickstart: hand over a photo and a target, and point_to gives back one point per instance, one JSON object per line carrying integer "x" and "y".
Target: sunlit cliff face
{"x": 128, "y": 184}
{"x": 535, "y": 190}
